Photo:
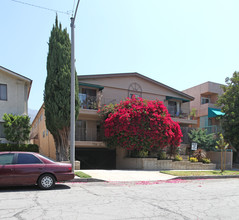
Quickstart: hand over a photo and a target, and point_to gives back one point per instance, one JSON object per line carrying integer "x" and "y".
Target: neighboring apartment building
{"x": 206, "y": 95}
{"x": 14, "y": 94}
{"x": 102, "y": 89}
{"x": 41, "y": 136}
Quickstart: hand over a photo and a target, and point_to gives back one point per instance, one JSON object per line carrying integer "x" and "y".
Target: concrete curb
{"x": 88, "y": 180}
{"x": 206, "y": 177}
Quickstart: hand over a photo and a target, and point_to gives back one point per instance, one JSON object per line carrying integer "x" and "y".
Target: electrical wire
{"x": 73, "y": 8}
{"x": 44, "y": 8}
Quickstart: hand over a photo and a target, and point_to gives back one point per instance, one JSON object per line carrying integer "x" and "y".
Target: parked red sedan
{"x": 27, "y": 168}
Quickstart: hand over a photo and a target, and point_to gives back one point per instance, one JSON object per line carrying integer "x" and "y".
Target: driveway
{"x": 127, "y": 175}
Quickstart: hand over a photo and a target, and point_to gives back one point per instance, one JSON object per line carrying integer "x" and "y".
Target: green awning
{"x": 214, "y": 112}
{"x": 91, "y": 85}
{"x": 177, "y": 98}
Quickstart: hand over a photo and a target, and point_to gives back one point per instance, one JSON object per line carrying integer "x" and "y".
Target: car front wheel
{"x": 46, "y": 181}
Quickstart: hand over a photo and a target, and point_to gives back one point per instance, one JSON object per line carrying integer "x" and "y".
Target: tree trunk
{"x": 62, "y": 144}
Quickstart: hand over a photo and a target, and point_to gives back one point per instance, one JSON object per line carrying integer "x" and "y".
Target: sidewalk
{"x": 123, "y": 175}
{"x": 136, "y": 175}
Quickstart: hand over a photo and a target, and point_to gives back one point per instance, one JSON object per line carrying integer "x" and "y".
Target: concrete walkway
{"x": 127, "y": 175}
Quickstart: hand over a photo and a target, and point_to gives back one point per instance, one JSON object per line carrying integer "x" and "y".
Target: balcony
{"x": 90, "y": 134}
{"x": 213, "y": 129}
{"x": 182, "y": 116}
{"x": 89, "y": 138}
{"x": 203, "y": 110}
{"x": 88, "y": 102}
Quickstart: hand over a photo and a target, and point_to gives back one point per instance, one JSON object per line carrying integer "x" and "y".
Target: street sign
{"x": 194, "y": 146}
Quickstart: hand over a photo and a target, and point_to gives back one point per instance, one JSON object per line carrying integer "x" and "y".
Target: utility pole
{"x": 72, "y": 145}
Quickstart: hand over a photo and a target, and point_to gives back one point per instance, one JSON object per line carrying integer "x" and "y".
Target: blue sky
{"x": 180, "y": 43}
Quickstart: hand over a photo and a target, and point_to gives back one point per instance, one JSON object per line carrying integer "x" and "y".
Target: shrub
{"x": 199, "y": 154}
{"x": 172, "y": 150}
{"x": 178, "y": 158}
{"x": 16, "y": 128}
{"x": 203, "y": 140}
{"x": 21, "y": 147}
{"x": 206, "y": 160}
{"x": 140, "y": 154}
{"x": 162, "y": 155}
{"x": 193, "y": 159}
{"x": 136, "y": 124}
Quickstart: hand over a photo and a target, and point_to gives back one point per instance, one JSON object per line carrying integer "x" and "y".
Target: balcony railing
{"x": 182, "y": 113}
{"x": 213, "y": 129}
{"x": 83, "y": 134}
{"x": 88, "y": 102}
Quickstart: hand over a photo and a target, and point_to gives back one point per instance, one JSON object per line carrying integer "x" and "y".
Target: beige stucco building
{"x": 102, "y": 89}
{"x": 14, "y": 94}
{"x": 41, "y": 136}
{"x": 206, "y": 95}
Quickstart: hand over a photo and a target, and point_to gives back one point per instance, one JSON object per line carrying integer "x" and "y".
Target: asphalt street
{"x": 172, "y": 199}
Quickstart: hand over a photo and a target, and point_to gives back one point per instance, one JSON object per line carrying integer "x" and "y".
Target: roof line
{"x": 14, "y": 73}
{"x": 18, "y": 75}
{"x": 135, "y": 74}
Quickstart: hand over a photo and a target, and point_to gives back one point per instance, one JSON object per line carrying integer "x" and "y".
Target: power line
{"x": 44, "y": 8}
{"x": 73, "y": 8}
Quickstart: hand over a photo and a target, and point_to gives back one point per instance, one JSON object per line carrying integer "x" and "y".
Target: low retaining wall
{"x": 215, "y": 157}
{"x": 155, "y": 164}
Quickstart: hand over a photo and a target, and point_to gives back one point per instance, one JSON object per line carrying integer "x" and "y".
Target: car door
{"x": 27, "y": 169}
{"x": 6, "y": 169}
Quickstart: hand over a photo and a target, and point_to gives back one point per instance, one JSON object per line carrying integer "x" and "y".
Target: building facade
{"x": 102, "y": 89}
{"x": 14, "y": 94}
{"x": 206, "y": 95}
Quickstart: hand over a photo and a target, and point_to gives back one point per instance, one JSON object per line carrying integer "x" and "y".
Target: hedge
{"x": 21, "y": 147}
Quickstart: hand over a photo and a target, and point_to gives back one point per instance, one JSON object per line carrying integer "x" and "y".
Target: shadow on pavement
{"x": 31, "y": 188}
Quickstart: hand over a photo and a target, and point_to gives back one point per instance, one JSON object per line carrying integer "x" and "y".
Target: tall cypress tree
{"x": 58, "y": 90}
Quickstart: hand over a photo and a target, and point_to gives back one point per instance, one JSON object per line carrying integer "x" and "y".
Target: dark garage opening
{"x": 96, "y": 158}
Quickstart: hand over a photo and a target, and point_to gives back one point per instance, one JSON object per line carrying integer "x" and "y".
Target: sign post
{"x": 194, "y": 146}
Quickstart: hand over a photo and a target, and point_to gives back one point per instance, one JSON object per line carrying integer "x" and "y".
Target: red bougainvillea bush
{"x": 139, "y": 124}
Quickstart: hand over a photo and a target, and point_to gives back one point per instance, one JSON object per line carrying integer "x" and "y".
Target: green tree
{"x": 222, "y": 145}
{"x": 58, "y": 90}
{"x": 229, "y": 101}
{"x": 16, "y": 128}
{"x": 204, "y": 141}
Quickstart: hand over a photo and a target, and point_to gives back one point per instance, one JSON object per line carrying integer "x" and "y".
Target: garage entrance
{"x": 96, "y": 158}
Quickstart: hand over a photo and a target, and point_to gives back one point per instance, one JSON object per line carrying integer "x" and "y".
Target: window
{"x": 134, "y": 89}
{"x": 2, "y": 134}
{"x": 6, "y": 159}
{"x": 205, "y": 100}
{"x": 43, "y": 134}
{"x": 172, "y": 108}
{"x": 3, "y": 92}
{"x": 46, "y": 132}
{"x": 88, "y": 98}
{"x": 28, "y": 159}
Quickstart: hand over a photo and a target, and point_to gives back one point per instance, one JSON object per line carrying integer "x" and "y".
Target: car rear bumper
{"x": 64, "y": 176}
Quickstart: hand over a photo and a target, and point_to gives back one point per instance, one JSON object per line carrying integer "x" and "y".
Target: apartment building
{"x": 206, "y": 95}
{"x": 14, "y": 94}
{"x": 102, "y": 89}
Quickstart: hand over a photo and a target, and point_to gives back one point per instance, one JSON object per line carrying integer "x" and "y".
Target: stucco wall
{"x": 16, "y": 95}
{"x": 43, "y": 139}
{"x": 215, "y": 157}
{"x": 213, "y": 90}
{"x": 117, "y": 88}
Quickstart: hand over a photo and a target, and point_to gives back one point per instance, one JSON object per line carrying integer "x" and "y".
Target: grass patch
{"x": 82, "y": 175}
{"x": 201, "y": 173}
